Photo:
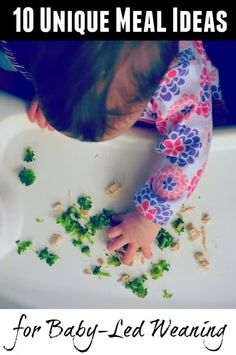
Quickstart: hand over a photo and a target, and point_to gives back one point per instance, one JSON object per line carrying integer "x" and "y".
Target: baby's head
{"x": 96, "y": 90}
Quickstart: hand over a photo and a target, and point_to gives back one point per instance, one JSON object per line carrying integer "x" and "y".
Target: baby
{"x": 94, "y": 91}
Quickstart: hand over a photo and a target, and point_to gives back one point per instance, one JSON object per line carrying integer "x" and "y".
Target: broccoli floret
{"x": 77, "y": 242}
{"x": 29, "y": 155}
{"x": 86, "y": 250}
{"x": 178, "y": 225}
{"x": 164, "y": 239}
{"x": 69, "y": 221}
{"x": 113, "y": 260}
{"x": 158, "y": 269}
{"x": 97, "y": 271}
{"x": 99, "y": 221}
{"x": 74, "y": 212}
{"x": 39, "y": 220}
{"x": 137, "y": 286}
{"x": 23, "y": 246}
{"x": 85, "y": 202}
{"x": 27, "y": 176}
{"x": 48, "y": 257}
{"x": 166, "y": 294}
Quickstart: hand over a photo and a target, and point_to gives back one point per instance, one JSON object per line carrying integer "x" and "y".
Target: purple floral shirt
{"x": 181, "y": 109}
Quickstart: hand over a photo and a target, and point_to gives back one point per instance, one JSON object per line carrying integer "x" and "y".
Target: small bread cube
{"x": 56, "y": 240}
{"x": 114, "y": 190}
{"x": 192, "y": 231}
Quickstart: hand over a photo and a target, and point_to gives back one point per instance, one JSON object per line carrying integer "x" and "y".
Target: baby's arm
{"x": 182, "y": 105}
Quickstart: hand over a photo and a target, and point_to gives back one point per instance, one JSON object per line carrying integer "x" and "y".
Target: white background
{"x": 106, "y": 320}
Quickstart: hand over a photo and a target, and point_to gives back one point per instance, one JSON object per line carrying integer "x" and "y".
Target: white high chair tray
{"x": 64, "y": 164}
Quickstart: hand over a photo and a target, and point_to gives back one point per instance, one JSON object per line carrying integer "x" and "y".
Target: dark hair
{"x": 66, "y": 75}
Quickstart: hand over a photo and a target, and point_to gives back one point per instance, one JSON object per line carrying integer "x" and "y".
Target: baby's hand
{"x": 136, "y": 231}
{"x": 35, "y": 114}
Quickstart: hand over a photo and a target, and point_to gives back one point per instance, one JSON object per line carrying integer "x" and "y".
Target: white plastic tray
{"x": 63, "y": 165}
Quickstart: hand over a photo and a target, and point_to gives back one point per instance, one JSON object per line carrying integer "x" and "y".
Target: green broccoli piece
{"x": 85, "y": 202}
{"x": 158, "y": 269}
{"x": 29, "y": 155}
{"x": 23, "y": 246}
{"x": 69, "y": 221}
{"x": 99, "y": 221}
{"x": 164, "y": 239}
{"x": 39, "y": 220}
{"x": 166, "y": 294}
{"x": 97, "y": 271}
{"x": 27, "y": 176}
{"x": 77, "y": 242}
{"x": 137, "y": 286}
{"x": 178, "y": 225}
{"x": 48, "y": 257}
{"x": 86, "y": 250}
{"x": 74, "y": 212}
{"x": 113, "y": 260}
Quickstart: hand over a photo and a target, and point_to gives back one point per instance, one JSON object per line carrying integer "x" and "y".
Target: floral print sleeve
{"x": 181, "y": 109}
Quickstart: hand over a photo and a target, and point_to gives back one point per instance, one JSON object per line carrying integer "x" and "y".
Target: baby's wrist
{"x": 145, "y": 221}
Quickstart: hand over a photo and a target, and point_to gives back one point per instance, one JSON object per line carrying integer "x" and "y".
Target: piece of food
{"x": 159, "y": 268}
{"x": 114, "y": 189}
{"x": 164, "y": 239}
{"x": 137, "y": 286}
{"x": 77, "y": 242}
{"x": 206, "y": 218}
{"x": 27, "y": 176}
{"x": 175, "y": 246}
{"x": 99, "y": 221}
{"x": 139, "y": 256}
{"x": 186, "y": 210}
{"x": 97, "y": 271}
{"x": 48, "y": 257}
{"x": 56, "y": 240}
{"x": 201, "y": 259}
{"x": 100, "y": 261}
{"x": 84, "y": 212}
{"x": 75, "y": 223}
{"x": 113, "y": 260}
{"x": 178, "y": 225}
{"x": 192, "y": 231}
{"x": 57, "y": 207}
{"x": 87, "y": 271}
{"x": 29, "y": 155}
{"x": 166, "y": 294}
{"x": 124, "y": 278}
{"x": 86, "y": 250}
{"x": 23, "y": 246}
{"x": 204, "y": 237}
{"x": 69, "y": 220}
{"x": 85, "y": 203}
{"x": 39, "y": 220}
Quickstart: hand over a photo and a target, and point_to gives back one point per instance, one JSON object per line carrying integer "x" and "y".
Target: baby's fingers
{"x": 147, "y": 253}
{"x": 114, "y": 232}
{"x": 32, "y": 112}
{"x": 49, "y": 127}
{"x": 117, "y": 243}
{"x": 41, "y": 119}
{"x": 129, "y": 255}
